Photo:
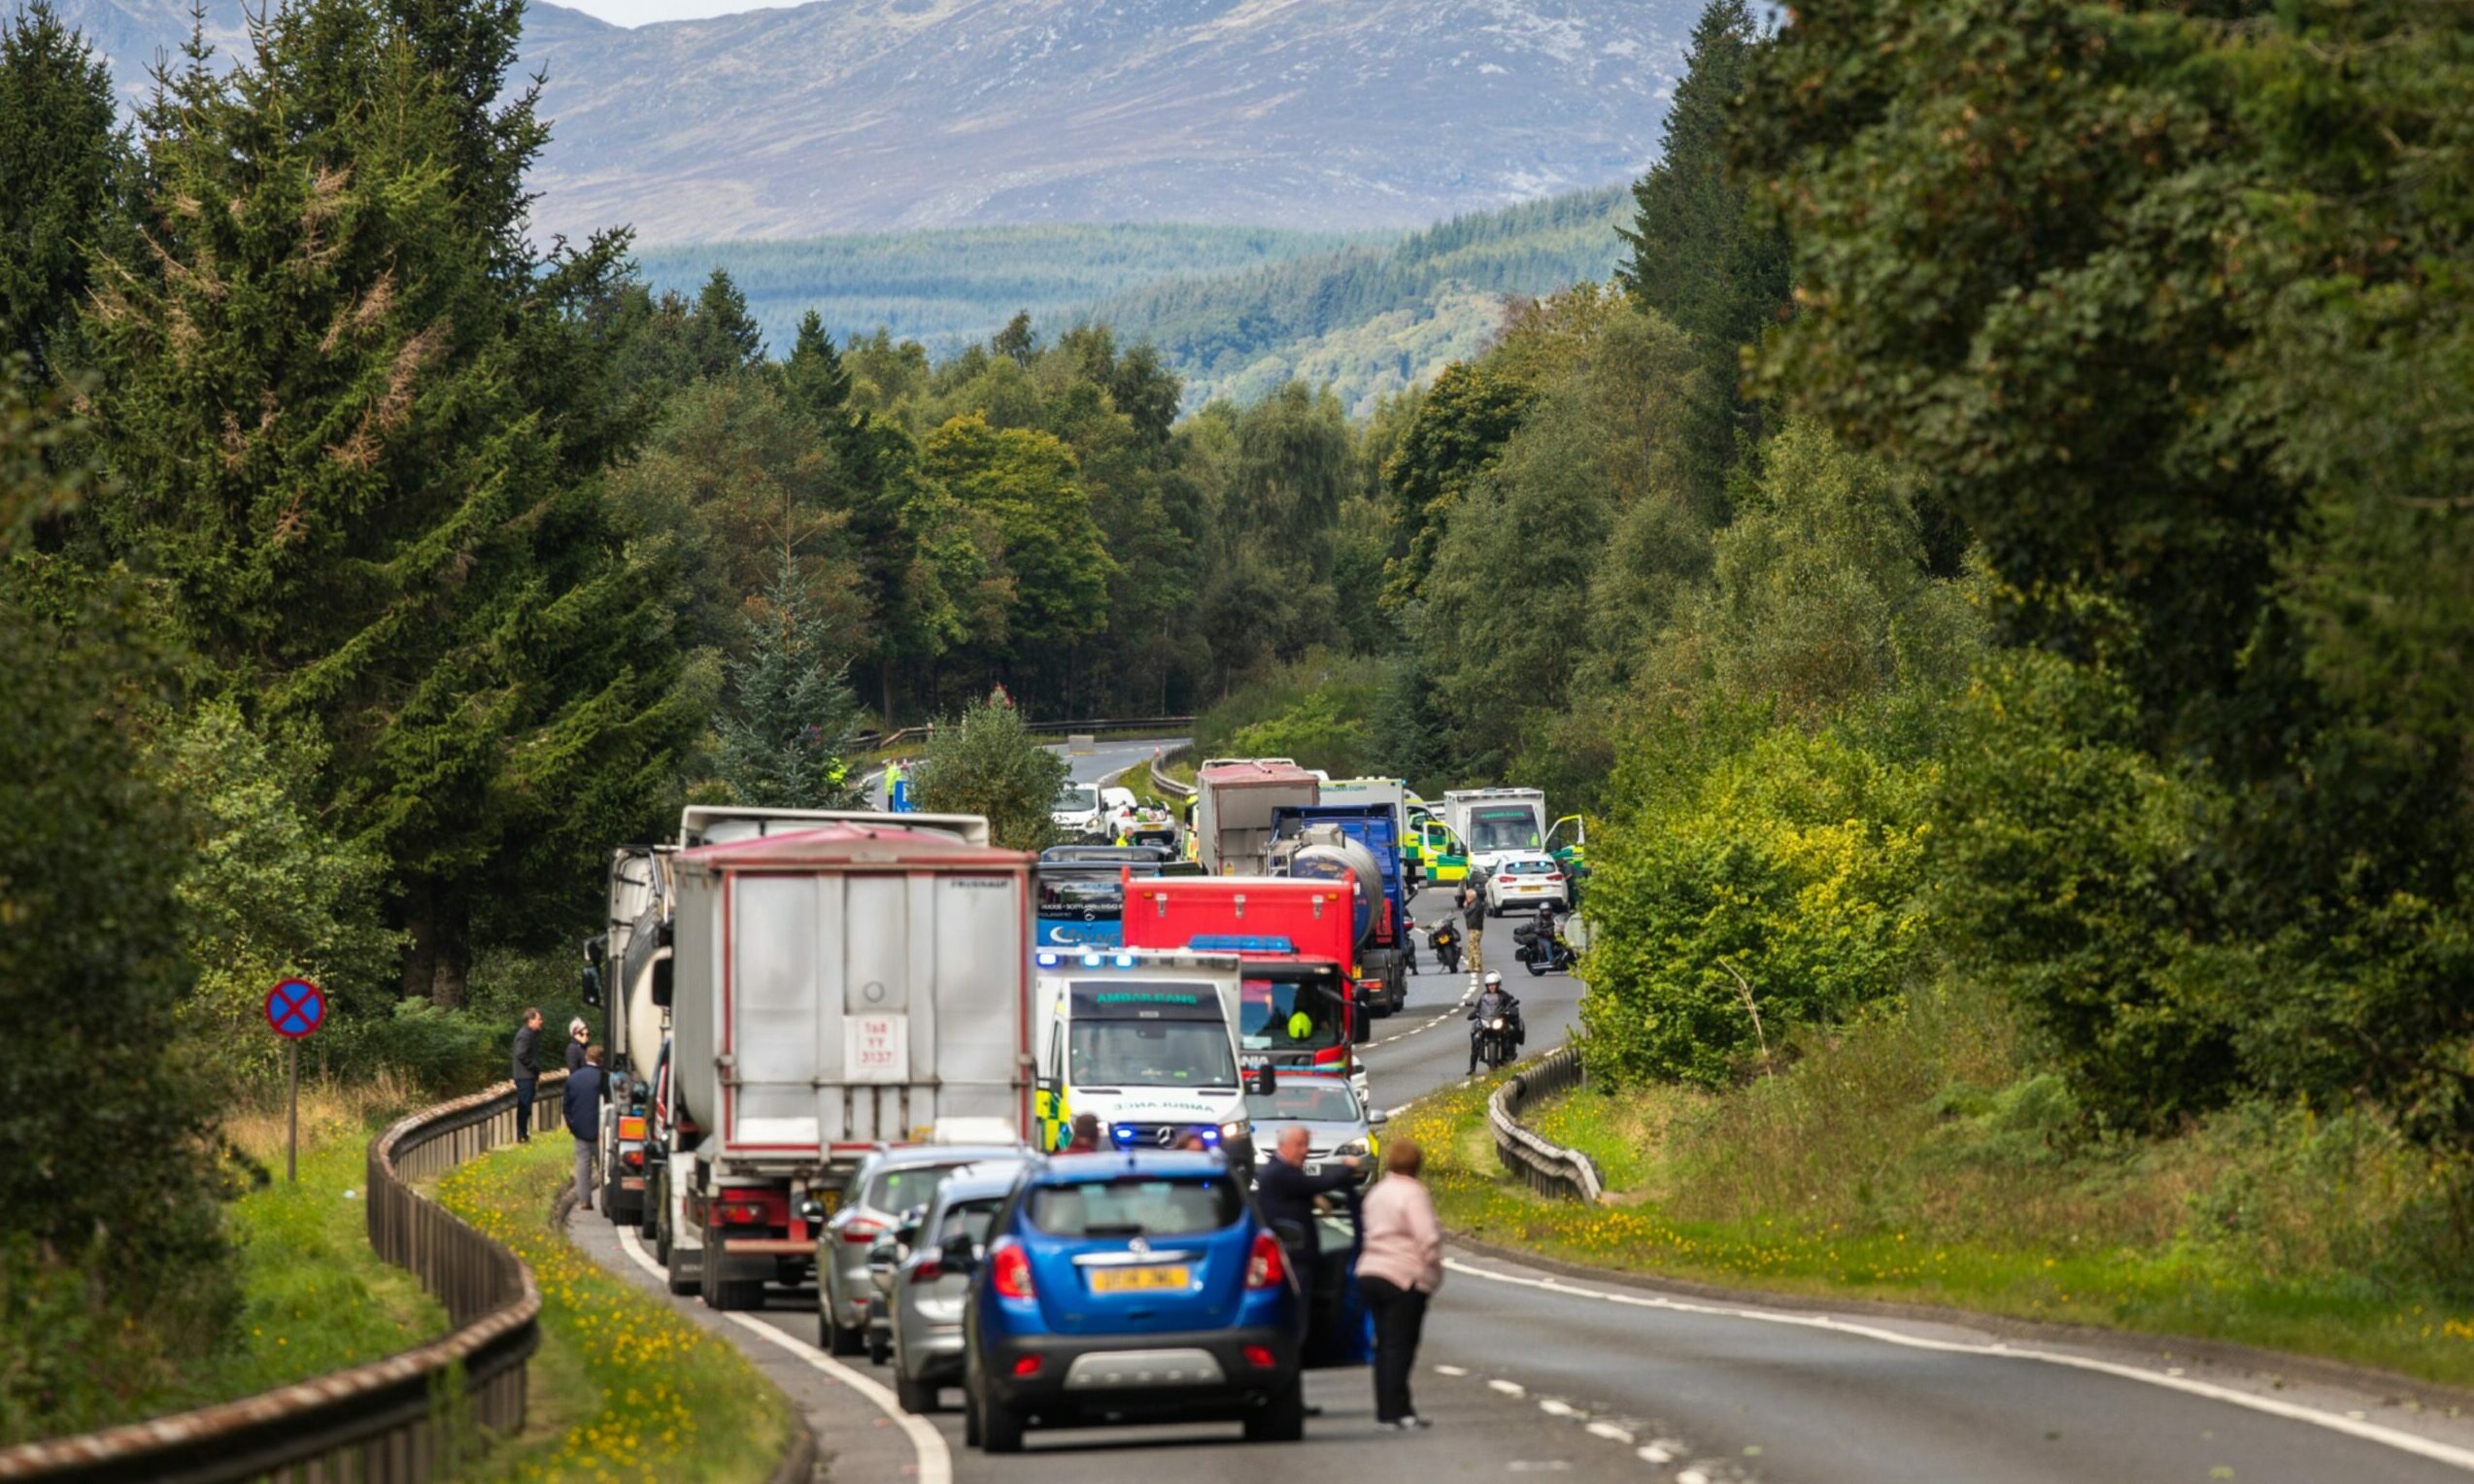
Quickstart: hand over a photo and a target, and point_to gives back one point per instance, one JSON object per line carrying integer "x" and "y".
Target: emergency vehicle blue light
{"x": 1123, "y": 1136}
{"x": 1211, "y": 1137}
{"x": 1125, "y": 961}
{"x": 1089, "y": 961}
{"x": 1239, "y": 943}
{"x": 1050, "y": 960}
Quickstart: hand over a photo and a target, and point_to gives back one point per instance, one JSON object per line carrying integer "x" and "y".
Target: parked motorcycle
{"x": 1445, "y": 938}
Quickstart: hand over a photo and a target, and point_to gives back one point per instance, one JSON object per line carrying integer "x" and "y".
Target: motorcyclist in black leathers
{"x": 1493, "y": 1000}
{"x": 1541, "y": 936}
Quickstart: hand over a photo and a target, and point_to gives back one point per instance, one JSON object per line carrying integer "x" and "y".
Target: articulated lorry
{"x": 836, "y": 982}
{"x": 1234, "y": 798}
{"x": 619, "y": 980}
{"x": 1357, "y": 844}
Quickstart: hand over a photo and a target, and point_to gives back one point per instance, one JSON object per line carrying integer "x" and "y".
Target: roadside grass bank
{"x": 624, "y": 1387}
{"x": 2275, "y": 1228}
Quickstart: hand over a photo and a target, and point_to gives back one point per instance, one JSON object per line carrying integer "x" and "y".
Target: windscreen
{"x": 903, "y": 1186}
{"x": 1136, "y": 1208}
{"x": 970, "y": 1217}
{"x": 1152, "y": 1053}
{"x": 1082, "y": 894}
{"x": 1508, "y": 826}
{"x": 1077, "y": 798}
{"x": 1288, "y": 1015}
{"x": 1305, "y": 1102}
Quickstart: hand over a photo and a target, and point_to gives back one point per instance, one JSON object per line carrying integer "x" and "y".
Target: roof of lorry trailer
{"x": 1256, "y": 772}
{"x": 846, "y": 844}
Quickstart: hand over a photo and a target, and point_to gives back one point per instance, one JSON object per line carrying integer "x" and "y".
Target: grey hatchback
{"x": 886, "y": 1184}
{"x": 927, "y": 1293}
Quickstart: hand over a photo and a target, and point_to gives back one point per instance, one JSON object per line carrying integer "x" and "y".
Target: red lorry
{"x": 1297, "y": 939}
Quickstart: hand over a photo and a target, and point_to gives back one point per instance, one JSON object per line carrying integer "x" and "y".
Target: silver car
{"x": 929, "y": 1285}
{"x": 888, "y": 1183}
{"x": 1327, "y": 1106}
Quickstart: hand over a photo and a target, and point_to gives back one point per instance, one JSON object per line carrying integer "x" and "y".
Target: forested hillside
{"x": 1236, "y": 313}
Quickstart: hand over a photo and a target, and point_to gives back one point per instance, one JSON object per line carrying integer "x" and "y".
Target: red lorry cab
{"x": 1296, "y": 938}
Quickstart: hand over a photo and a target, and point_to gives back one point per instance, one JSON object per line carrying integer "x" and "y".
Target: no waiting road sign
{"x": 295, "y": 1007}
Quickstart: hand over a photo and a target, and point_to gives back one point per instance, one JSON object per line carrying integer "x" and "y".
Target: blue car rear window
{"x": 1136, "y": 1206}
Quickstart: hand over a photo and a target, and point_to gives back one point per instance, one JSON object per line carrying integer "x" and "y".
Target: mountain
{"x": 872, "y": 114}
{"x": 1236, "y": 311}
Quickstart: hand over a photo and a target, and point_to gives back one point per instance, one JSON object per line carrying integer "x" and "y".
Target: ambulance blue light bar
{"x": 1241, "y": 943}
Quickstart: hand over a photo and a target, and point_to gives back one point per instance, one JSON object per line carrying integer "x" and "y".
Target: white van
{"x": 1145, "y": 1042}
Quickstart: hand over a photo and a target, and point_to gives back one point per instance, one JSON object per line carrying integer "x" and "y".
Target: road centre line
{"x": 927, "y": 1445}
{"x": 2354, "y": 1427}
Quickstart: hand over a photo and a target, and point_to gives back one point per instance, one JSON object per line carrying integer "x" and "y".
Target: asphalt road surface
{"x": 1524, "y": 1372}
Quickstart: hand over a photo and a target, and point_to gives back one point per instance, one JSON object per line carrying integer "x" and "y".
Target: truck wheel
{"x": 1000, "y": 1427}
{"x": 971, "y": 1415}
{"x": 915, "y": 1396}
{"x": 722, "y": 1294}
{"x": 686, "y": 1271}
{"x": 1281, "y": 1420}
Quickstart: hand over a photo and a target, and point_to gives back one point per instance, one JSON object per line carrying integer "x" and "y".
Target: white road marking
{"x": 2354, "y": 1427}
{"x": 936, "y": 1459}
{"x": 1655, "y": 1453}
{"x": 1450, "y": 1370}
{"x": 1509, "y": 1388}
{"x": 1611, "y": 1433}
{"x": 1692, "y": 1476}
{"x": 1555, "y": 1408}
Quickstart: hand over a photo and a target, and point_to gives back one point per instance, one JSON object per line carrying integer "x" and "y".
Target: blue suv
{"x": 1129, "y": 1287}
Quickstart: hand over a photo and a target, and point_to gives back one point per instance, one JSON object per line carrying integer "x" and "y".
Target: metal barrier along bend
{"x": 1547, "y": 1167}
{"x": 414, "y": 1416}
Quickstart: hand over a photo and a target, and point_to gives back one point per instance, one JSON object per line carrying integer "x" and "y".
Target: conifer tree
{"x": 722, "y": 335}
{"x": 343, "y": 401}
{"x": 62, "y": 164}
{"x": 785, "y": 740}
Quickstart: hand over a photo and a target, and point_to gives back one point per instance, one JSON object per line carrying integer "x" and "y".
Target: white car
{"x": 1522, "y": 880}
{"x": 1078, "y": 814}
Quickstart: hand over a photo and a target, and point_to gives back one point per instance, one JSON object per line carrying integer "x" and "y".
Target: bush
{"x": 1779, "y": 884}
{"x": 1314, "y": 710}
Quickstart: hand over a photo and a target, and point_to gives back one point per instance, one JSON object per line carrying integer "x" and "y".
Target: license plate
{"x": 1139, "y": 1280}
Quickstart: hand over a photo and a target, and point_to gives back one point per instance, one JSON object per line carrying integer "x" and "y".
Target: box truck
{"x": 1232, "y": 802}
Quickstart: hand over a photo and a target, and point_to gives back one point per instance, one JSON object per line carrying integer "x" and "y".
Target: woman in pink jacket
{"x": 1398, "y": 1268}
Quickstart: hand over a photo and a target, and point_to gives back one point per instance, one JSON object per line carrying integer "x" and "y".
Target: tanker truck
{"x": 1358, "y": 843}
{"x": 836, "y": 982}
{"x": 618, "y": 980}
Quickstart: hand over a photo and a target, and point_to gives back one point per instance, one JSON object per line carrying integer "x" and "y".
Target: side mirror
{"x": 811, "y": 1211}
{"x": 1262, "y": 1081}
{"x": 665, "y": 982}
{"x": 1376, "y": 1117}
{"x": 884, "y": 1254}
{"x": 960, "y": 1254}
{"x": 591, "y": 986}
{"x": 1362, "y": 1028}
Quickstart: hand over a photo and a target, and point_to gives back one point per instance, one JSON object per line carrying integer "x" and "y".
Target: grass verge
{"x": 2184, "y": 1286}
{"x": 624, "y": 1387}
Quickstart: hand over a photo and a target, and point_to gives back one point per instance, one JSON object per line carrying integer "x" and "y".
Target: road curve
{"x": 1526, "y": 1372}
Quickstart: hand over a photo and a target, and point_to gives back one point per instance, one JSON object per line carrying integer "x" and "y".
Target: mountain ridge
{"x": 840, "y": 116}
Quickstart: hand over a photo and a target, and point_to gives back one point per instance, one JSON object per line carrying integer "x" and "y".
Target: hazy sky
{"x": 635, "y": 13}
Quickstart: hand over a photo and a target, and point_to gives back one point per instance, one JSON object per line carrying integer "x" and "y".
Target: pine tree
{"x": 1698, "y": 256}
{"x": 343, "y": 398}
{"x": 819, "y": 386}
{"x": 62, "y": 164}
{"x": 722, "y": 335}
{"x": 786, "y": 739}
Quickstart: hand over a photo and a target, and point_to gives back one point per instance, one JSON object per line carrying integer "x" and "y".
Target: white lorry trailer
{"x": 837, "y": 982}
{"x": 1232, "y": 802}
{"x": 1494, "y": 823}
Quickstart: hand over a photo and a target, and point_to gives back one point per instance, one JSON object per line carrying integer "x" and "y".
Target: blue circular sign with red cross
{"x": 295, "y": 1007}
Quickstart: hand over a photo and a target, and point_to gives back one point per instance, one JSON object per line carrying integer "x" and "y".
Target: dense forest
{"x": 1995, "y": 547}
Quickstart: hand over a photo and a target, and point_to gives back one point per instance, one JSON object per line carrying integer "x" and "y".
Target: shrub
{"x": 1779, "y": 884}
{"x": 986, "y": 763}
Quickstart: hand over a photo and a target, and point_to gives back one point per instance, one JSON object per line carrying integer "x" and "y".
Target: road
{"x": 1106, "y": 759}
{"x": 1528, "y": 1373}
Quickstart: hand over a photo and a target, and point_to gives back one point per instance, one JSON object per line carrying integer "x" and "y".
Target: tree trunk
{"x": 453, "y": 984}
{"x": 420, "y": 926}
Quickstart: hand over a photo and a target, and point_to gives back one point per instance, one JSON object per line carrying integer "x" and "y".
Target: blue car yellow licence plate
{"x": 1140, "y": 1280}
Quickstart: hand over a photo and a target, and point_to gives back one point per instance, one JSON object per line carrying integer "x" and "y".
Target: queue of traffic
{"x": 1002, "y": 1112}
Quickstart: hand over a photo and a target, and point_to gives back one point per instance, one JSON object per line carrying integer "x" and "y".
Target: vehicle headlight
{"x": 1233, "y": 1130}
{"x": 1354, "y": 1149}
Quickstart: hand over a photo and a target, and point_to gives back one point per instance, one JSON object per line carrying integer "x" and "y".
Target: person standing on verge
{"x": 586, "y": 1087}
{"x": 579, "y": 1036}
{"x": 1473, "y": 914}
{"x": 1398, "y": 1268}
{"x": 527, "y": 1063}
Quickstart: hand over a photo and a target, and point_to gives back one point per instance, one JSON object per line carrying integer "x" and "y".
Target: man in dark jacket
{"x": 528, "y": 1061}
{"x": 1285, "y": 1194}
{"x": 586, "y": 1089}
